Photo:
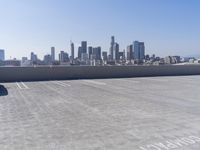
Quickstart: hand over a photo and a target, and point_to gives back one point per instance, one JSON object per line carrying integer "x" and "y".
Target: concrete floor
{"x": 157, "y": 113}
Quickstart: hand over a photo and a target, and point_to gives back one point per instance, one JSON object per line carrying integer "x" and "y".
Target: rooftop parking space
{"x": 154, "y": 113}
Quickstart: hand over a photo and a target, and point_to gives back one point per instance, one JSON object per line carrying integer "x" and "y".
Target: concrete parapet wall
{"x": 12, "y": 74}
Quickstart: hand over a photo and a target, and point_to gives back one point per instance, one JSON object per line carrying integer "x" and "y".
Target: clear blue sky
{"x": 168, "y": 27}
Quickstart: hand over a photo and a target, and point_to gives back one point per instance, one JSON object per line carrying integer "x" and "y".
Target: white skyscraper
{"x": 52, "y": 53}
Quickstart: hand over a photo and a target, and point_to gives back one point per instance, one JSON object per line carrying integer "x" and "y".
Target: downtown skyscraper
{"x": 139, "y": 51}
{"x": 130, "y": 52}
{"x": 72, "y": 50}
{"x": 111, "y": 52}
{"x": 52, "y": 54}
{"x": 84, "y": 46}
{"x": 90, "y": 51}
{"x": 116, "y": 51}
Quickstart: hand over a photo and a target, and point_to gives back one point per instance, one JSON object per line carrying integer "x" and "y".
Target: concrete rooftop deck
{"x": 155, "y": 113}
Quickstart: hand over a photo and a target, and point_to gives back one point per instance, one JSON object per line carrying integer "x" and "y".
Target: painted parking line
{"x": 22, "y": 85}
{"x": 94, "y": 82}
{"x": 155, "y": 79}
{"x": 128, "y": 80}
{"x": 63, "y": 84}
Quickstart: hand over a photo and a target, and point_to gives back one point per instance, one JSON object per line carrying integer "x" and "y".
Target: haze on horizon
{"x": 167, "y": 27}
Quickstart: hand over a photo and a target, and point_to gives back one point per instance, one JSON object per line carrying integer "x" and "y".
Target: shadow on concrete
{"x": 3, "y": 91}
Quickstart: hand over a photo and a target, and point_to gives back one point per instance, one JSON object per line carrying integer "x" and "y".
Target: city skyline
{"x": 135, "y": 54}
{"x": 83, "y": 47}
{"x": 166, "y": 27}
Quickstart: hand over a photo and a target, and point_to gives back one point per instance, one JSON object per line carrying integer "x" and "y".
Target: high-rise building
{"x": 136, "y": 50}
{"x": 124, "y": 55}
{"x": 121, "y": 55}
{"x": 142, "y": 51}
{"x": 129, "y": 52}
{"x": 112, "y": 47}
{"x": 84, "y": 46}
{"x": 63, "y": 56}
{"x": 79, "y": 52}
{"x": 72, "y": 51}
{"x": 2, "y": 54}
{"x": 84, "y": 57}
{"x": 96, "y": 53}
{"x": 116, "y": 51}
{"x": 33, "y": 57}
{"x": 52, "y": 54}
{"x": 90, "y": 51}
{"x": 48, "y": 59}
{"x": 105, "y": 56}
{"x": 139, "y": 51}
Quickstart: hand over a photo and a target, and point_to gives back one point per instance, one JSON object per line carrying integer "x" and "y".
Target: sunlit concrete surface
{"x": 157, "y": 113}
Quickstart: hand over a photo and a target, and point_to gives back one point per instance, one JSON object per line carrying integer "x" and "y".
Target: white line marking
{"x": 61, "y": 83}
{"x": 18, "y": 85}
{"x": 22, "y": 85}
{"x": 26, "y": 87}
{"x": 58, "y": 83}
{"x": 152, "y": 79}
{"x": 128, "y": 80}
{"x": 95, "y": 82}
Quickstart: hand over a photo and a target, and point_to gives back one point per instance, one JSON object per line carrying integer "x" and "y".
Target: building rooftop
{"x": 155, "y": 113}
